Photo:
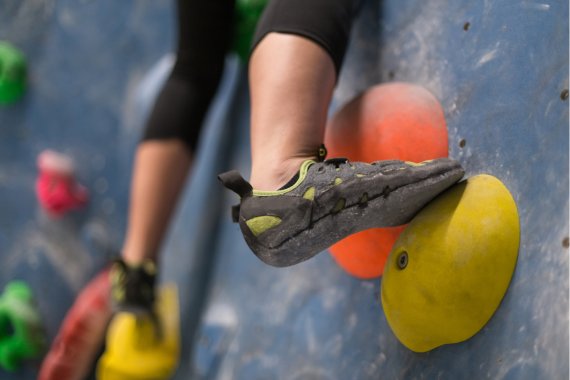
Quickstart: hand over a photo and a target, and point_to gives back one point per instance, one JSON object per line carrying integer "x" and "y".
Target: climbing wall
{"x": 500, "y": 71}
{"x": 85, "y": 61}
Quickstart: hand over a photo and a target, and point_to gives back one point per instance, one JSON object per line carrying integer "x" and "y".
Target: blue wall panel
{"x": 94, "y": 70}
{"x": 500, "y": 80}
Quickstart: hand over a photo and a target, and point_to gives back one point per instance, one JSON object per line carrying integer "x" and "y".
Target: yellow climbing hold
{"x": 449, "y": 270}
{"x": 136, "y": 349}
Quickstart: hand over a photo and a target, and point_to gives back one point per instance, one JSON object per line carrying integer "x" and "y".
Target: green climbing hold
{"x": 12, "y": 73}
{"x": 247, "y": 14}
{"x": 21, "y": 333}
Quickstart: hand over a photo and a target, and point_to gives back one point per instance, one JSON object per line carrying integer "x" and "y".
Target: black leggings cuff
{"x": 325, "y": 22}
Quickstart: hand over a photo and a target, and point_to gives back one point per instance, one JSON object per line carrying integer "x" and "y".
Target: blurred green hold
{"x": 21, "y": 333}
{"x": 12, "y": 73}
{"x": 247, "y": 13}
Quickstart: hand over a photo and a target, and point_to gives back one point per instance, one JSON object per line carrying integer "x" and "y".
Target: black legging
{"x": 204, "y": 35}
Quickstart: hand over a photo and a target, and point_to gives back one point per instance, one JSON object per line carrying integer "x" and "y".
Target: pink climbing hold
{"x": 56, "y": 187}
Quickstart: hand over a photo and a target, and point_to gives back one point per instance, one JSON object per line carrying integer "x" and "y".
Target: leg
{"x": 159, "y": 173}
{"x": 298, "y": 54}
{"x": 291, "y": 80}
{"x": 164, "y": 157}
{"x": 293, "y": 70}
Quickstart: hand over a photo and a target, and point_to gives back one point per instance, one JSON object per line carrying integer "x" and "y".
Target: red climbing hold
{"x": 56, "y": 187}
{"x": 388, "y": 121}
{"x": 80, "y": 338}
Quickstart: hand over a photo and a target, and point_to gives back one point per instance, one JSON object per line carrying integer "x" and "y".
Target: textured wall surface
{"x": 499, "y": 69}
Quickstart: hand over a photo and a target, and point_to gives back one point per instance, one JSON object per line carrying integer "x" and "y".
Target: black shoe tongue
{"x": 291, "y": 182}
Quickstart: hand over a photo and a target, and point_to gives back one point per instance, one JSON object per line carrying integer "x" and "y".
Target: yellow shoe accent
{"x": 310, "y": 193}
{"x": 136, "y": 350}
{"x": 339, "y": 205}
{"x": 260, "y": 224}
{"x": 410, "y": 163}
{"x": 302, "y": 174}
{"x": 454, "y": 263}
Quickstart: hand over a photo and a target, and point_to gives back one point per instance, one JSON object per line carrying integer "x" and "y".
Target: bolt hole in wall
{"x": 566, "y": 242}
{"x": 564, "y": 94}
{"x": 403, "y": 260}
{"x": 466, "y": 26}
{"x": 462, "y": 143}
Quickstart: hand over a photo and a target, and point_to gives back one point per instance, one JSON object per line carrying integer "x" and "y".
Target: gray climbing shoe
{"x": 331, "y": 200}
{"x": 132, "y": 287}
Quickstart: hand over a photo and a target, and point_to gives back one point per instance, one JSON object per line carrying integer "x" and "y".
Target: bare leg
{"x": 160, "y": 170}
{"x": 292, "y": 80}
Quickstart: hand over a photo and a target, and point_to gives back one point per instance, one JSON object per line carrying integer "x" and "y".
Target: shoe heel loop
{"x": 235, "y": 213}
{"x": 235, "y": 182}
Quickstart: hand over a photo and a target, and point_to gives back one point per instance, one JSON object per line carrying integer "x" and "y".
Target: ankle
{"x": 136, "y": 257}
{"x": 272, "y": 177}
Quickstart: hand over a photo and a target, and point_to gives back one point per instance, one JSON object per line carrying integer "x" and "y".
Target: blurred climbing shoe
{"x": 333, "y": 199}
{"x": 132, "y": 287}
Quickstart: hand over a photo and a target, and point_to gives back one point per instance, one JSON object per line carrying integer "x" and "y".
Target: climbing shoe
{"x": 132, "y": 287}
{"x": 333, "y": 199}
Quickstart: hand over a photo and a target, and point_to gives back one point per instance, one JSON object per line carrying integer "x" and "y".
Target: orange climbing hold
{"x": 389, "y": 121}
